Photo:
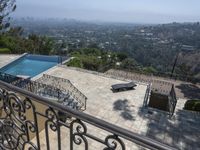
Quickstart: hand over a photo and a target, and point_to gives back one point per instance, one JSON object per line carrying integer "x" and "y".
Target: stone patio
{"x": 98, "y": 91}
{"x": 125, "y": 110}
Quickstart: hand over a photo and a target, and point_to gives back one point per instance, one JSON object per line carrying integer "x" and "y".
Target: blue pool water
{"x": 30, "y": 65}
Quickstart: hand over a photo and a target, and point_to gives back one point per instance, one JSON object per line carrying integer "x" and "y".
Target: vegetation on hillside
{"x": 17, "y": 44}
{"x": 98, "y": 60}
{"x": 153, "y": 47}
{"x": 11, "y": 39}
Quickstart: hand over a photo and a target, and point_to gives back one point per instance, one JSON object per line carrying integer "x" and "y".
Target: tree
{"x": 121, "y": 56}
{"x": 184, "y": 70}
{"x": 129, "y": 64}
{"x": 15, "y": 32}
{"x": 150, "y": 70}
{"x": 40, "y": 44}
{"x": 6, "y": 7}
{"x": 76, "y": 62}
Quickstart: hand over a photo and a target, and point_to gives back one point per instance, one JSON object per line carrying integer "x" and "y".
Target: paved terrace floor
{"x": 5, "y": 59}
{"x": 102, "y": 102}
{"x": 124, "y": 109}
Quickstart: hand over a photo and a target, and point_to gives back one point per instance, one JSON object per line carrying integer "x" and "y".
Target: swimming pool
{"x": 30, "y": 65}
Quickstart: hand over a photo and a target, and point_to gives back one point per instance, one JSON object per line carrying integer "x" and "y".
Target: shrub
{"x": 4, "y": 51}
{"x": 189, "y": 105}
{"x": 76, "y": 62}
{"x": 121, "y": 56}
{"x": 192, "y": 105}
{"x": 149, "y": 70}
{"x": 197, "y": 106}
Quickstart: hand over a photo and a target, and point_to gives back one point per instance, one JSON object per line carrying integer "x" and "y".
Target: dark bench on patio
{"x": 123, "y": 87}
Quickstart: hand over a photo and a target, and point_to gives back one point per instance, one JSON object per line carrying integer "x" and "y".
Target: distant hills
{"x": 154, "y": 46}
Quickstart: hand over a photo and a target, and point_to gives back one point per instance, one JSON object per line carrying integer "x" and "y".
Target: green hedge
{"x": 4, "y": 51}
{"x": 75, "y": 62}
{"x": 192, "y": 105}
{"x": 197, "y": 107}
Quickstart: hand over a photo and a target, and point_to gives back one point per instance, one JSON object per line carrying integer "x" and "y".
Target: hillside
{"x": 192, "y": 61}
{"x": 152, "y": 47}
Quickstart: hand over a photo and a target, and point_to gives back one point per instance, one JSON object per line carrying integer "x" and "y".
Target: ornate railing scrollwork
{"x": 16, "y": 109}
{"x": 15, "y": 126}
{"x": 29, "y": 146}
{"x": 6, "y": 138}
{"x": 78, "y": 131}
{"x": 113, "y": 142}
{"x": 52, "y": 119}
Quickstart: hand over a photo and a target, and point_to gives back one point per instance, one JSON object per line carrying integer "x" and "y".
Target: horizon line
{"x": 105, "y": 22}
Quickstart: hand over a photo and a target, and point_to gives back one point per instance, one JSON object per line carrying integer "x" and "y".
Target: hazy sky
{"x": 136, "y": 11}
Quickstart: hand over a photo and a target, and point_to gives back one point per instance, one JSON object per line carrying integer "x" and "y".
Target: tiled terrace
{"x": 124, "y": 109}
{"x": 98, "y": 91}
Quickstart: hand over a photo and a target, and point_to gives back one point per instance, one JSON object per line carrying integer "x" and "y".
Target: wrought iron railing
{"x": 45, "y": 90}
{"x": 147, "y": 95}
{"x": 8, "y": 78}
{"x": 172, "y": 100}
{"x": 141, "y": 78}
{"x": 66, "y": 86}
{"x": 29, "y": 121}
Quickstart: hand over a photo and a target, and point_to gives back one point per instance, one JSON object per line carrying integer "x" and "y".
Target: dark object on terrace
{"x": 163, "y": 98}
{"x": 123, "y": 87}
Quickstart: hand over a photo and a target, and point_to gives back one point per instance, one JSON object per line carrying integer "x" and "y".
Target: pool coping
{"x": 41, "y": 74}
{"x": 13, "y": 60}
{"x": 46, "y": 71}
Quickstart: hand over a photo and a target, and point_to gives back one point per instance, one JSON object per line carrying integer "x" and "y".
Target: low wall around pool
{"x": 44, "y": 58}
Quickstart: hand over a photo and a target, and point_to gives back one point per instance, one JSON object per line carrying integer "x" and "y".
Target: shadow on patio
{"x": 189, "y": 91}
{"x": 181, "y": 131}
{"x": 125, "y": 108}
